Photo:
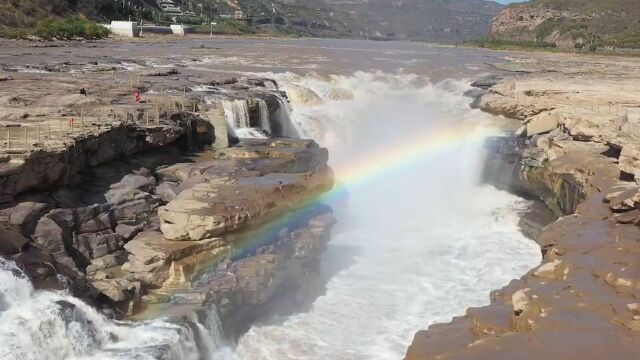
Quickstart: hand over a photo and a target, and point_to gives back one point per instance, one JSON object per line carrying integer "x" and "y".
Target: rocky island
{"x": 576, "y": 151}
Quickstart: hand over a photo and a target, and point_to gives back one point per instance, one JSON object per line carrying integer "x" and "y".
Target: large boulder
{"x": 25, "y": 212}
{"x": 542, "y": 123}
{"x": 151, "y": 256}
{"x": 134, "y": 181}
{"x": 11, "y": 240}
{"x": 54, "y": 237}
{"x": 95, "y": 245}
{"x": 280, "y": 175}
{"x": 209, "y": 209}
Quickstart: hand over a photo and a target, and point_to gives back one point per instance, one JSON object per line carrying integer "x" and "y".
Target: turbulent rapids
{"x": 420, "y": 240}
{"x": 54, "y": 325}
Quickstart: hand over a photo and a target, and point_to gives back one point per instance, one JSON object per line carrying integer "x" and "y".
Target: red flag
{"x": 137, "y": 94}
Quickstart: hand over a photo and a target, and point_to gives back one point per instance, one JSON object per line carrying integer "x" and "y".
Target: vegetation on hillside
{"x": 71, "y": 28}
{"x": 431, "y": 20}
{"x": 505, "y": 44}
{"x": 63, "y": 18}
{"x": 581, "y": 24}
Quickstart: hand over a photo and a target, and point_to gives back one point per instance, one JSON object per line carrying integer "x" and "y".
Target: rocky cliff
{"x": 578, "y": 25}
{"x": 158, "y": 206}
{"x": 574, "y": 152}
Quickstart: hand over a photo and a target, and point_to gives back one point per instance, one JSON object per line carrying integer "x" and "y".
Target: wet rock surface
{"x": 580, "y": 303}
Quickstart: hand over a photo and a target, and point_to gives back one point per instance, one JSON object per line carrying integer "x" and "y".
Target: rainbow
{"x": 377, "y": 164}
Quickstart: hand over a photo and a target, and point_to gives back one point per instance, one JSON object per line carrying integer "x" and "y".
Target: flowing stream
{"x": 418, "y": 243}
{"x": 420, "y": 240}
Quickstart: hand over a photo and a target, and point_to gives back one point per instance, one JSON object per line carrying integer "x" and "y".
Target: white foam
{"x": 424, "y": 241}
{"x": 52, "y": 325}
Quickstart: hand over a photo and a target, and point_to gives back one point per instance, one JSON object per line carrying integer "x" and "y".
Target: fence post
{"x": 38, "y": 133}
{"x": 8, "y": 137}
{"x": 25, "y": 137}
{"x": 82, "y": 118}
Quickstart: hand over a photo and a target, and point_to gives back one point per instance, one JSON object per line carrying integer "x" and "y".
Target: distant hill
{"x": 430, "y": 20}
{"x": 571, "y": 23}
{"x": 433, "y": 20}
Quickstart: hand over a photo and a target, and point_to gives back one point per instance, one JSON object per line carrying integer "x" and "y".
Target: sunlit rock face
{"x": 285, "y": 173}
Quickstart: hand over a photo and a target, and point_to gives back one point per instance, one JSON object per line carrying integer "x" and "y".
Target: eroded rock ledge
{"x": 582, "y": 301}
{"x": 158, "y": 208}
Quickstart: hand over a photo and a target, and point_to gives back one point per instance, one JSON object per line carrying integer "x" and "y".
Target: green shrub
{"x": 498, "y": 43}
{"x": 233, "y": 27}
{"x": 74, "y": 27}
{"x": 9, "y": 33}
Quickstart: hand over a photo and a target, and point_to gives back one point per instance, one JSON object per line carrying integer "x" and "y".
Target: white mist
{"x": 422, "y": 242}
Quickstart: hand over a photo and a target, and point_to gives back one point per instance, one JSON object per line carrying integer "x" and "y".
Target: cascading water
{"x": 43, "y": 325}
{"x": 282, "y": 120}
{"x": 265, "y": 124}
{"x": 270, "y": 85}
{"x": 421, "y": 241}
{"x": 236, "y": 112}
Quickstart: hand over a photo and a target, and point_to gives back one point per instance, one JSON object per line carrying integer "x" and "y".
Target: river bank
{"x": 577, "y": 151}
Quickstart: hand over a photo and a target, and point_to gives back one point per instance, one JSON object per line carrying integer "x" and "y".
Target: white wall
{"x": 179, "y": 30}
{"x": 124, "y": 28}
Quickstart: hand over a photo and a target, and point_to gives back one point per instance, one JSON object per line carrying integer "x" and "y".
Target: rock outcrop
{"x": 132, "y": 190}
{"x": 581, "y": 301}
{"x": 236, "y": 228}
{"x": 239, "y": 228}
{"x": 577, "y": 25}
{"x": 44, "y": 169}
{"x": 522, "y": 21}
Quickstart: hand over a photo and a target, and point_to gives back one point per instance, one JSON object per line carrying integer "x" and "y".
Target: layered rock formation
{"x": 157, "y": 205}
{"x": 585, "y": 24}
{"x": 159, "y": 239}
{"x": 582, "y": 301}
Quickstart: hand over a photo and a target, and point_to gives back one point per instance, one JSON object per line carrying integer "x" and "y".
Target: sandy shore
{"x": 577, "y": 151}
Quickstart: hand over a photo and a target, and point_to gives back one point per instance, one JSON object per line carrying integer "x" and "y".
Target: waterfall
{"x": 236, "y": 113}
{"x": 211, "y": 334}
{"x": 270, "y": 85}
{"x": 282, "y": 120}
{"x": 444, "y": 241}
{"x": 53, "y": 325}
{"x": 264, "y": 115}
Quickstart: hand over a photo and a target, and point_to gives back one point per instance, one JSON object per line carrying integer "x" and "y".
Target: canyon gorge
{"x": 315, "y": 199}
